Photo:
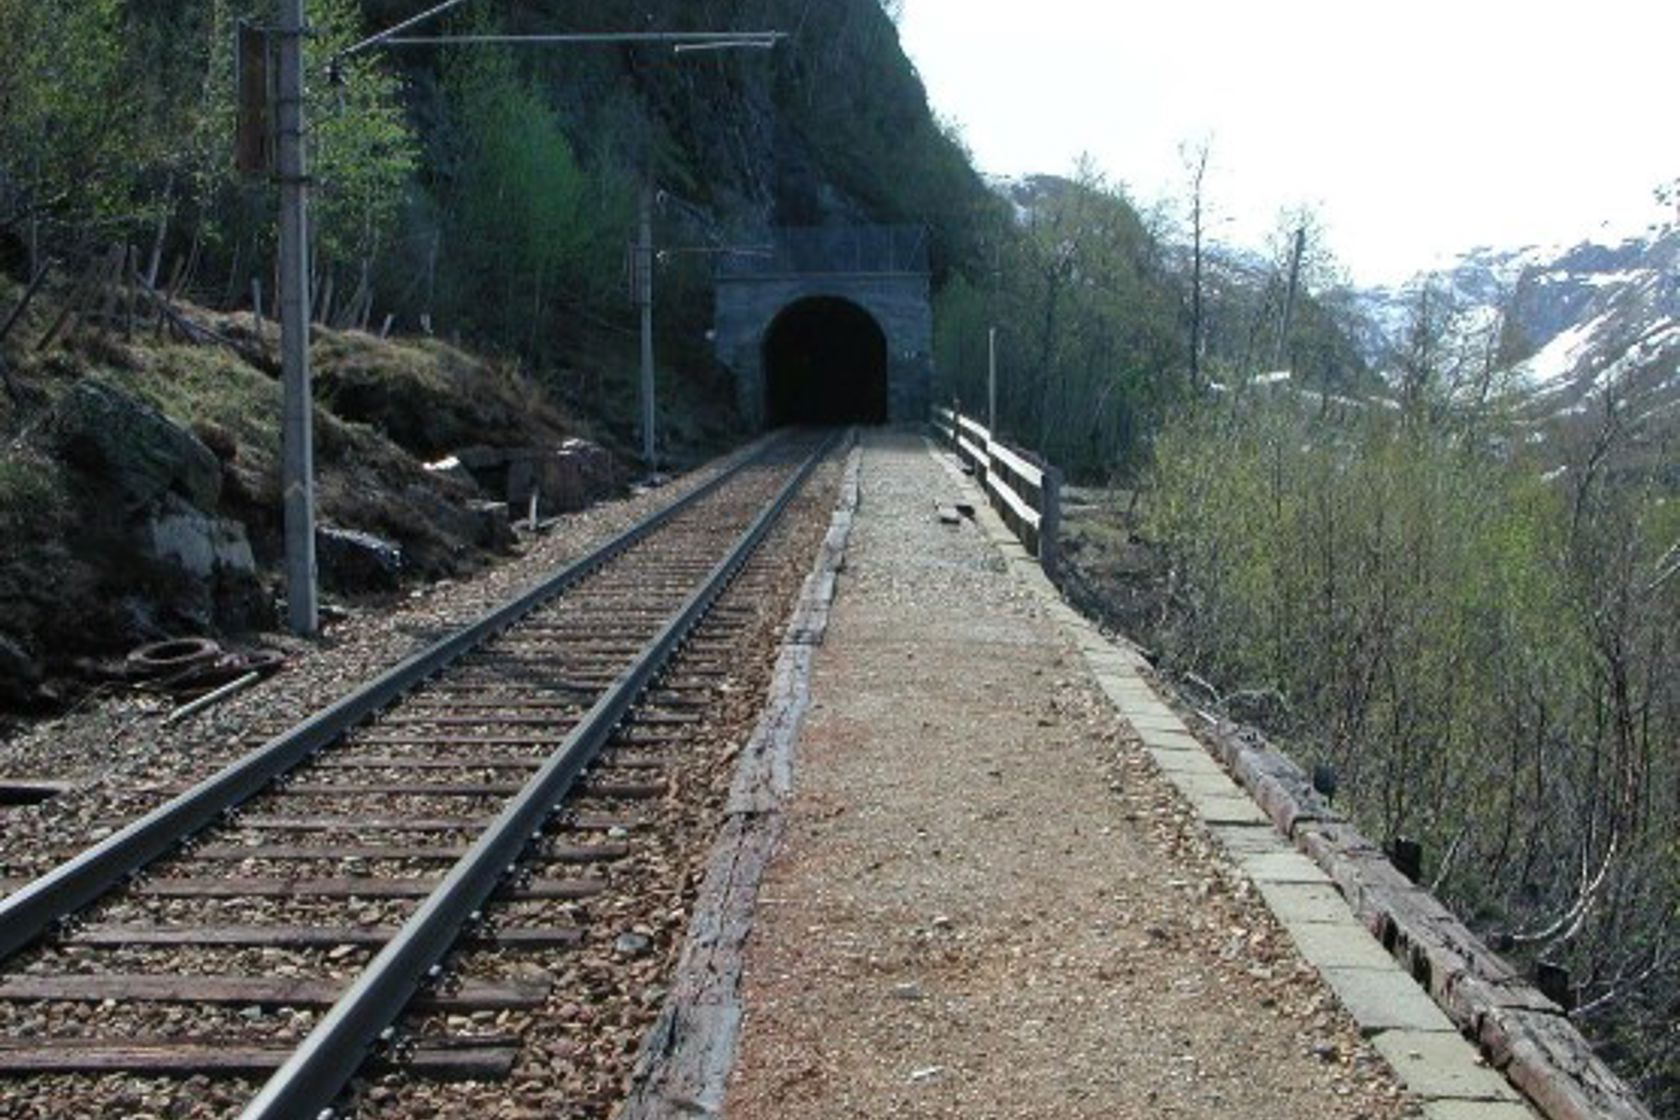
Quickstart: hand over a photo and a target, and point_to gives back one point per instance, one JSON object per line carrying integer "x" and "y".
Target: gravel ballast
{"x": 989, "y": 904}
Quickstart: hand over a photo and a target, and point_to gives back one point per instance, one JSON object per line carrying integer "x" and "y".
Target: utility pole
{"x": 298, "y": 480}
{"x": 991, "y": 382}
{"x": 644, "y": 296}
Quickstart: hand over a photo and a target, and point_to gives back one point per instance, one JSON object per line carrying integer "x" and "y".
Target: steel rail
{"x": 324, "y": 1063}
{"x": 31, "y": 911}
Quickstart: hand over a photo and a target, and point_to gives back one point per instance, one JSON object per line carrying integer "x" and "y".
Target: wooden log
{"x": 31, "y": 791}
{"x": 306, "y": 937}
{"x": 355, "y": 887}
{"x": 467, "y": 1061}
{"x": 255, "y": 991}
{"x": 558, "y": 853}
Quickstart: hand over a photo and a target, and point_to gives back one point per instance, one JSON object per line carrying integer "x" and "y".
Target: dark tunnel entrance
{"x": 825, "y": 362}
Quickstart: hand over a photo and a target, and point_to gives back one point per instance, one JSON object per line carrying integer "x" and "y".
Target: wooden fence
{"x": 1025, "y": 491}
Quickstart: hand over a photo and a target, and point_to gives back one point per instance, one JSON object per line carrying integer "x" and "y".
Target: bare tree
{"x": 1195, "y": 157}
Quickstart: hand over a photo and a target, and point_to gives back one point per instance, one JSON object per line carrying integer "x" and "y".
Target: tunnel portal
{"x": 825, "y": 362}
{"x": 828, "y": 325}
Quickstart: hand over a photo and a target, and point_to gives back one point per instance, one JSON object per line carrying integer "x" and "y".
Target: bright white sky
{"x": 1417, "y": 130}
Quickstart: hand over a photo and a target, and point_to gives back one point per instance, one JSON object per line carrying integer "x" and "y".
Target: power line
{"x": 682, "y": 40}
{"x": 384, "y": 36}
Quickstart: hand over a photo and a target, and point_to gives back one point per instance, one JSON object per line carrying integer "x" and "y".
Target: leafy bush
{"x": 1485, "y": 656}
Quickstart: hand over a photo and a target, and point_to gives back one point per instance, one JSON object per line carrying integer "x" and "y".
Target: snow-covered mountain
{"x": 1565, "y": 322}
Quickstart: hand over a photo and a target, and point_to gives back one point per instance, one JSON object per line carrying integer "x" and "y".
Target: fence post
{"x": 1050, "y": 524}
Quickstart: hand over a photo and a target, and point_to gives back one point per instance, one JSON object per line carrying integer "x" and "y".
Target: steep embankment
{"x": 140, "y": 489}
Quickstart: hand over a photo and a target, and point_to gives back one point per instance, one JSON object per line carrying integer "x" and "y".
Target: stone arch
{"x": 819, "y": 281}
{"x": 825, "y": 361}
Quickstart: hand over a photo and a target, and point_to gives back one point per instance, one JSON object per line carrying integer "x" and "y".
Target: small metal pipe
{"x": 210, "y": 699}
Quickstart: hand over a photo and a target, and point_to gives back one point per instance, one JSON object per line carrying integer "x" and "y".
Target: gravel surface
{"x": 989, "y": 904}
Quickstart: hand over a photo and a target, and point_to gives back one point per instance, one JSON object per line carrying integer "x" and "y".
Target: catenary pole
{"x": 644, "y": 297}
{"x": 298, "y": 480}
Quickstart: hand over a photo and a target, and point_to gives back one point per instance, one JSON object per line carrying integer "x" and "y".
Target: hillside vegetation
{"x": 483, "y": 196}
{"x": 1479, "y": 642}
{"x": 482, "y": 193}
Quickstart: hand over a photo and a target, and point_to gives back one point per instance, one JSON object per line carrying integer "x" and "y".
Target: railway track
{"x": 390, "y": 883}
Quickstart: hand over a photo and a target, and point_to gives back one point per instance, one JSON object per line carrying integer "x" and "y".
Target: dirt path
{"x": 988, "y": 904}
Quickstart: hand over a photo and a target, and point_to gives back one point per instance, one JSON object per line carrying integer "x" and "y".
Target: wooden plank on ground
{"x": 31, "y": 791}
{"x": 559, "y": 853}
{"x": 243, "y": 887}
{"x": 487, "y": 1061}
{"x": 338, "y": 761}
{"x": 306, "y": 937}
{"x": 255, "y": 991}
{"x": 325, "y": 822}
{"x": 321, "y": 822}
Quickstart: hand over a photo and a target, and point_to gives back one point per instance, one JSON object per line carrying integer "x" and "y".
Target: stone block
{"x": 1476, "y": 1110}
{"x": 1168, "y": 740}
{"x": 1220, "y": 808}
{"x": 1294, "y": 903}
{"x": 1386, "y": 999}
{"x": 1281, "y": 867}
{"x": 1438, "y": 1065}
{"x": 1348, "y": 944}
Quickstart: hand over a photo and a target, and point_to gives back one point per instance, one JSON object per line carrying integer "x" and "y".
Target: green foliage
{"x": 524, "y": 224}
{"x": 362, "y": 151}
{"x": 1485, "y": 656}
{"x": 32, "y": 493}
{"x": 66, "y": 126}
{"x": 1088, "y": 341}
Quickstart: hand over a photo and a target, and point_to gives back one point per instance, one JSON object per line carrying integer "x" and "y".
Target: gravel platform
{"x": 988, "y": 902}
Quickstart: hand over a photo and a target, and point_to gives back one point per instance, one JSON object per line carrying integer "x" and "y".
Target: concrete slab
{"x": 1294, "y": 903}
{"x": 1281, "y": 867}
{"x": 1476, "y": 1110}
{"x": 1171, "y": 740}
{"x": 1239, "y": 838}
{"x": 1219, "y": 808}
{"x": 1185, "y": 762}
{"x": 1339, "y": 945}
{"x": 1387, "y": 999}
{"x": 1439, "y": 1066}
{"x": 1158, "y": 714}
{"x": 1203, "y": 783}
